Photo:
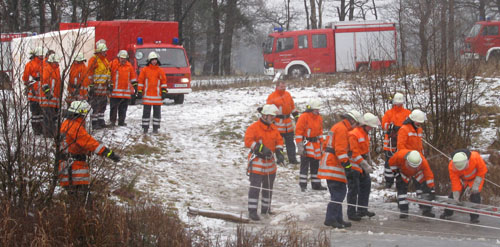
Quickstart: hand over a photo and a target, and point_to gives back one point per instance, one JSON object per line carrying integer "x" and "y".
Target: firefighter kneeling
{"x": 74, "y": 173}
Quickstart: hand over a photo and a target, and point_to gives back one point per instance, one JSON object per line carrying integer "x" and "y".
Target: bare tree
{"x": 232, "y": 14}
{"x": 307, "y": 14}
{"x": 314, "y": 21}
{"x": 341, "y": 11}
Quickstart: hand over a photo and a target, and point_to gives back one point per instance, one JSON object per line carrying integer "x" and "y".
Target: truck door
{"x": 490, "y": 38}
{"x": 303, "y": 48}
{"x": 345, "y": 51}
{"x": 322, "y": 53}
{"x": 284, "y": 52}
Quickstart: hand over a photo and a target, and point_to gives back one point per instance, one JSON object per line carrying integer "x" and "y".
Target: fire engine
{"x": 342, "y": 47}
{"x": 6, "y": 57}
{"x": 139, "y": 38}
{"x": 483, "y": 41}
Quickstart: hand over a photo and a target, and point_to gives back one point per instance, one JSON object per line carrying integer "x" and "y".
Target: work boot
{"x": 294, "y": 162}
{"x": 354, "y": 217}
{"x": 303, "y": 188}
{"x": 474, "y": 219}
{"x": 155, "y": 130}
{"x": 366, "y": 213}
{"x": 122, "y": 124}
{"x": 346, "y": 223}
{"x": 445, "y": 216}
{"x": 253, "y": 215}
{"x": 112, "y": 124}
{"x": 318, "y": 187}
{"x": 145, "y": 130}
{"x": 428, "y": 214}
{"x": 403, "y": 215}
{"x": 334, "y": 224}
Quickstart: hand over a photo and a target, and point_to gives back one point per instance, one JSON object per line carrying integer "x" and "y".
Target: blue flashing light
{"x": 175, "y": 41}
{"x": 278, "y": 29}
{"x": 488, "y": 18}
{"x": 139, "y": 41}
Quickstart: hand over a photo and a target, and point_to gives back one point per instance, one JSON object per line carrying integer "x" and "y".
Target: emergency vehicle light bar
{"x": 175, "y": 41}
{"x": 139, "y": 40}
{"x": 278, "y": 29}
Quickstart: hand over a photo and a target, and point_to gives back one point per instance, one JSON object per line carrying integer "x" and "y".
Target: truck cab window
{"x": 319, "y": 40}
{"x": 490, "y": 31}
{"x": 284, "y": 44}
{"x": 268, "y": 45}
{"x": 303, "y": 42}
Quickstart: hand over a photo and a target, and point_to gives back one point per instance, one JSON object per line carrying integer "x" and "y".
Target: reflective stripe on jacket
{"x": 330, "y": 166}
{"x": 99, "y": 74}
{"x": 78, "y": 80}
{"x": 396, "y": 116}
{"x": 476, "y": 167}
{"x": 122, "y": 77}
{"x": 423, "y": 173}
{"x": 359, "y": 143}
{"x": 151, "y": 81}
{"x": 258, "y": 133}
{"x": 410, "y": 138}
{"x": 310, "y": 125}
{"x": 284, "y": 101}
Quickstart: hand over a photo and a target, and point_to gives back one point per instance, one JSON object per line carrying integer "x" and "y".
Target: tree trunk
{"x": 28, "y": 12}
{"x": 402, "y": 34}
{"x": 320, "y": 13}
{"x": 41, "y": 13}
{"x": 307, "y": 14}
{"x": 215, "y": 54}
{"x": 375, "y": 10}
{"x": 482, "y": 10}
{"x": 55, "y": 14}
{"x": 314, "y": 21}
{"x": 74, "y": 8}
{"x": 287, "y": 2}
{"x": 227, "y": 41}
{"x": 351, "y": 10}
{"x": 425, "y": 11}
{"x": 444, "y": 33}
{"x": 341, "y": 11}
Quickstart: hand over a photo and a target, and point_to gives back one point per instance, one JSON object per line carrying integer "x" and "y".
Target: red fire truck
{"x": 483, "y": 41}
{"x": 6, "y": 57}
{"x": 139, "y": 38}
{"x": 344, "y": 46}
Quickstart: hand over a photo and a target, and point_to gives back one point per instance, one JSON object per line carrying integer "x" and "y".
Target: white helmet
{"x": 355, "y": 115}
{"x": 413, "y": 159}
{"x": 314, "y": 104}
{"x": 153, "y": 55}
{"x": 122, "y": 54}
{"x": 398, "y": 99}
{"x": 79, "y": 107}
{"x": 39, "y": 51}
{"x": 418, "y": 116}
{"x": 269, "y": 109}
{"x": 101, "y": 47}
{"x": 371, "y": 120}
{"x": 80, "y": 57}
{"x": 460, "y": 161}
{"x": 53, "y": 58}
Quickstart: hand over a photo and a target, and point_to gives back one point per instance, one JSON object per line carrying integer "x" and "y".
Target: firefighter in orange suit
{"x": 263, "y": 139}
{"x": 152, "y": 89}
{"x": 74, "y": 173}
{"x": 51, "y": 91}
{"x": 410, "y": 134}
{"x": 31, "y": 77}
{"x": 123, "y": 78}
{"x": 467, "y": 171}
{"x": 335, "y": 167}
{"x": 411, "y": 164}
{"x": 309, "y": 131}
{"x": 99, "y": 72}
{"x": 391, "y": 123}
{"x": 359, "y": 183}
{"x": 78, "y": 80}
{"x": 284, "y": 101}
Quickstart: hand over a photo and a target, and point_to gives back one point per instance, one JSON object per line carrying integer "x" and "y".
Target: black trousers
{"x": 359, "y": 186}
{"x": 305, "y": 164}
{"x": 290, "y": 146}
{"x": 402, "y": 189}
{"x": 49, "y": 121}
{"x": 258, "y": 182}
{"x": 36, "y": 117}
{"x": 120, "y": 106}
{"x": 146, "y": 116}
{"x": 99, "y": 104}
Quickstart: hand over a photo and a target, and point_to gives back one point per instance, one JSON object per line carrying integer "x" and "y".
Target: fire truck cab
{"x": 483, "y": 41}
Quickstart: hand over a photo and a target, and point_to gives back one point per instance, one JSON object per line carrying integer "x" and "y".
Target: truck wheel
{"x": 296, "y": 71}
{"x": 179, "y": 99}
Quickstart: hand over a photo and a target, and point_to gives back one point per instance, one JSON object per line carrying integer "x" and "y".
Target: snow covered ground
{"x": 198, "y": 159}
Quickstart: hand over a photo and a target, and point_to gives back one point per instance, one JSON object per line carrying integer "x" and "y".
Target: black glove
{"x": 108, "y": 153}
{"x": 163, "y": 94}
{"x": 295, "y": 115}
{"x": 347, "y": 168}
{"x": 139, "y": 95}
{"x": 262, "y": 151}
{"x": 279, "y": 156}
{"x": 46, "y": 91}
{"x": 36, "y": 78}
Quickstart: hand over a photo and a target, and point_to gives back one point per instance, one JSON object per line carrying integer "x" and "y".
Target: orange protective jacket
{"x": 81, "y": 143}
{"x": 423, "y": 173}
{"x": 51, "y": 78}
{"x": 465, "y": 177}
{"x": 99, "y": 71}
{"x": 152, "y": 81}
{"x": 33, "y": 69}
{"x": 122, "y": 77}
{"x": 309, "y": 129}
{"x": 78, "y": 82}
{"x": 284, "y": 101}
{"x": 359, "y": 143}
{"x": 336, "y": 152}
{"x": 410, "y": 138}
{"x": 257, "y": 133}
{"x": 396, "y": 116}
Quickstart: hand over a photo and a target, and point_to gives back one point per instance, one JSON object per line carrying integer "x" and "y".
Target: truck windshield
{"x": 268, "y": 45}
{"x": 474, "y": 31}
{"x": 169, "y": 57}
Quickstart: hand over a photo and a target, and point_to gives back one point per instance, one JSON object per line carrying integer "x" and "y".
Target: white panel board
{"x": 345, "y": 52}
{"x": 375, "y": 46}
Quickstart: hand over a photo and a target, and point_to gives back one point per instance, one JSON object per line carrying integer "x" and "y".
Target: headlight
{"x": 139, "y": 55}
{"x": 184, "y": 80}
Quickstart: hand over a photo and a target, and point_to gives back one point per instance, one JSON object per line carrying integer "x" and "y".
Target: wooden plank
{"x": 238, "y": 218}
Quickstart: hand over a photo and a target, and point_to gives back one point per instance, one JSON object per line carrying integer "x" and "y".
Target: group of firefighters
{"x": 343, "y": 159}
{"x": 89, "y": 87}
